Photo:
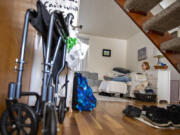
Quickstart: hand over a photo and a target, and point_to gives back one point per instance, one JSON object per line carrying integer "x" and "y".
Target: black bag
{"x": 132, "y": 111}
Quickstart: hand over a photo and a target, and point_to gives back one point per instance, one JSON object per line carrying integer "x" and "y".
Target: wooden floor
{"x": 107, "y": 119}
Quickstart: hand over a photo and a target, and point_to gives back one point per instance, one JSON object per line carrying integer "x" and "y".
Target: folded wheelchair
{"x": 19, "y": 118}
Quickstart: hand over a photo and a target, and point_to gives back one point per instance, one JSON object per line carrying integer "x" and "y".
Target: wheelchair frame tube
{"x": 54, "y": 58}
{"x": 59, "y": 72}
{"x": 44, "y": 51}
{"x": 67, "y": 81}
{"x": 50, "y": 93}
{"x": 56, "y": 50}
{"x": 11, "y": 90}
{"x": 63, "y": 64}
{"x": 47, "y": 64}
{"x": 22, "y": 54}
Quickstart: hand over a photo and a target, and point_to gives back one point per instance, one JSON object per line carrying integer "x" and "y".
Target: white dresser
{"x": 159, "y": 80}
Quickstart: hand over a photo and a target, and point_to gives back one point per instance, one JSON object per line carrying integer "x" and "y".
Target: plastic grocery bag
{"x": 76, "y": 54}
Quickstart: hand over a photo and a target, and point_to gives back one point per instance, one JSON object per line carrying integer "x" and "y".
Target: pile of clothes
{"x": 157, "y": 116}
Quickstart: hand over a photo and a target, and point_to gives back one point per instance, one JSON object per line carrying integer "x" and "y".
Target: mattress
{"x": 113, "y": 87}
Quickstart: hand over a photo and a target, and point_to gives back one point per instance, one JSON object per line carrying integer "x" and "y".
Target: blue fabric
{"x": 149, "y": 91}
{"x": 85, "y": 98}
{"x": 124, "y": 78}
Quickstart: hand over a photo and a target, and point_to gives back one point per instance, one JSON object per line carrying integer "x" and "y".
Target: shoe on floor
{"x": 132, "y": 111}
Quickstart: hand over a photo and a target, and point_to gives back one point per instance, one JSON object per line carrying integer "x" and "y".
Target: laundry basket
{"x": 145, "y": 97}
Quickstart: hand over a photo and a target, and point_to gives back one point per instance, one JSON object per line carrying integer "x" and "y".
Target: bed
{"x": 137, "y": 81}
{"x": 113, "y": 87}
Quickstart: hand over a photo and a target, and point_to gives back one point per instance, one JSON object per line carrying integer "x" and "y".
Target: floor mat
{"x": 149, "y": 124}
{"x": 110, "y": 99}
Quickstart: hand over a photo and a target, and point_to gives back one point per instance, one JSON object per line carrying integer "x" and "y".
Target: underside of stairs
{"x": 156, "y": 27}
{"x": 172, "y": 45}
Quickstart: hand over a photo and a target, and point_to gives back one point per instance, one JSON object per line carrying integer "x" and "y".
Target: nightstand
{"x": 159, "y": 80}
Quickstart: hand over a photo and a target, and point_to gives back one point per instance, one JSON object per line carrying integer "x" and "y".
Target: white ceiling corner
{"x": 105, "y": 18}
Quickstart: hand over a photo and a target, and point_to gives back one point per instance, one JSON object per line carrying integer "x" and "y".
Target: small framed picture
{"x": 106, "y": 53}
{"x": 142, "y": 54}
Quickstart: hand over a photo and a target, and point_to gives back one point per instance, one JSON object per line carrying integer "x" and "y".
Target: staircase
{"x": 156, "y": 27}
{"x": 172, "y": 45}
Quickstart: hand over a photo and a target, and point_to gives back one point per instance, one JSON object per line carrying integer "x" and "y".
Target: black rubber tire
{"x": 50, "y": 121}
{"x": 19, "y": 110}
{"x": 62, "y": 109}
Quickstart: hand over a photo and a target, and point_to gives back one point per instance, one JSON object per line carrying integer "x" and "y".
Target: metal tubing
{"x": 59, "y": 72}
{"x": 12, "y": 89}
{"x": 67, "y": 81}
{"x": 23, "y": 47}
{"x": 44, "y": 51}
{"x": 57, "y": 49}
{"x": 62, "y": 67}
{"x": 50, "y": 93}
{"x": 54, "y": 58}
{"x": 48, "y": 53}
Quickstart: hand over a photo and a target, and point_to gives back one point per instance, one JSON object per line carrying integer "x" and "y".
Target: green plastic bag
{"x": 71, "y": 42}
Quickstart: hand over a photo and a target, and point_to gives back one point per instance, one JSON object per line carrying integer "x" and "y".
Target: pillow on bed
{"x": 121, "y": 70}
{"x": 138, "y": 76}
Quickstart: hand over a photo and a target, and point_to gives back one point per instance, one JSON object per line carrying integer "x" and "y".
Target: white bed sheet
{"x": 113, "y": 87}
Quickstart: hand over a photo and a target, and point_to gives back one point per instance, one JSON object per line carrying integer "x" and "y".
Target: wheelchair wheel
{"x": 25, "y": 121}
{"x": 62, "y": 109}
{"x": 50, "y": 121}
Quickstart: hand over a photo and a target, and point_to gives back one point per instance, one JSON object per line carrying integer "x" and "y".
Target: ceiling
{"x": 105, "y": 18}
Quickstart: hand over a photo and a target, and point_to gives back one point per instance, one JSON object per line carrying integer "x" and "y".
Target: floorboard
{"x": 107, "y": 119}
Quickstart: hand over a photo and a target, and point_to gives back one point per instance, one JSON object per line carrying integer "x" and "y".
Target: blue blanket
{"x": 123, "y": 78}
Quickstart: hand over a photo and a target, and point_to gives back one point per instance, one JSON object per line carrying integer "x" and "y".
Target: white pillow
{"x": 138, "y": 77}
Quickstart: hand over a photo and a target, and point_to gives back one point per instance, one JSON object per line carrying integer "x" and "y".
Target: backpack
{"x": 83, "y": 98}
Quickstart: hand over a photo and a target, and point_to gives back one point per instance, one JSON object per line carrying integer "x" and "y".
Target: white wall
{"x": 103, "y": 65}
{"x": 139, "y": 41}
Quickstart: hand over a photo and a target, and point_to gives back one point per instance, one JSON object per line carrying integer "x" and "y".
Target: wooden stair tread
{"x": 171, "y": 45}
{"x": 178, "y": 66}
{"x": 156, "y": 39}
{"x": 140, "y": 6}
{"x": 165, "y": 20}
{"x": 175, "y": 58}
